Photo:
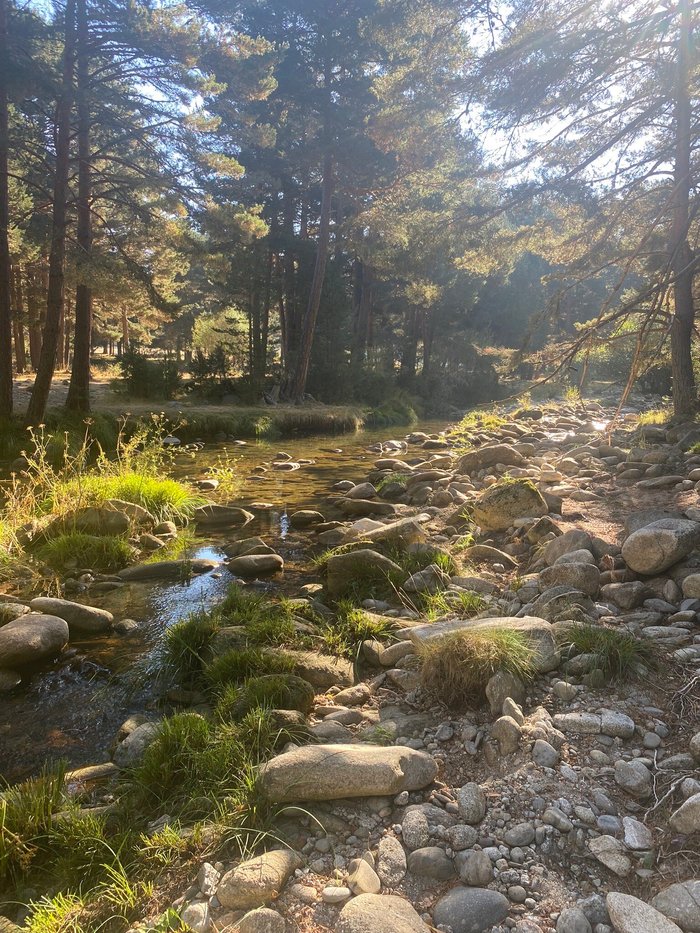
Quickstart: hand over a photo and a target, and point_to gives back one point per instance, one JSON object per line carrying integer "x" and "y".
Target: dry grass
{"x": 457, "y": 667}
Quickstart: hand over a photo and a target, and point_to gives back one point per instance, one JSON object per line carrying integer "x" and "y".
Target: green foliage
{"x": 184, "y": 644}
{"x": 457, "y": 667}
{"x": 350, "y": 627}
{"x": 266, "y": 622}
{"x": 269, "y": 691}
{"x": 77, "y": 549}
{"x": 392, "y": 479}
{"x": 617, "y": 653}
{"x": 397, "y": 410}
{"x": 62, "y": 913}
{"x": 655, "y": 416}
{"x": 239, "y": 664}
{"x": 149, "y": 378}
{"x": 464, "y": 604}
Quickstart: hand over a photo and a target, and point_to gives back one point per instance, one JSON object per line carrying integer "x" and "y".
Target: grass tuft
{"x": 351, "y": 626}
{"x": 238, "y": 665}
{"x": 618, "y": 653}
{"x": 183, "y": 647}
{"x": 457, "y": 667}
{"x": 268, "y": 691}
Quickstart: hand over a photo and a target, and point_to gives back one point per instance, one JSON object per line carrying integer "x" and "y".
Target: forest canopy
{"x": 341, "y": 200}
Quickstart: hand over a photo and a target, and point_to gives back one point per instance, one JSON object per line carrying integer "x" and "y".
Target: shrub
{"x": 617, "y": 653}
{"x": 147, "y": 378}
{"x": 457, "y": 667}
{"x": 76, "y": 549}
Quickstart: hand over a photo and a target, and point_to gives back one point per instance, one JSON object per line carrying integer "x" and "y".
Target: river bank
{"x": 580, "y": 762}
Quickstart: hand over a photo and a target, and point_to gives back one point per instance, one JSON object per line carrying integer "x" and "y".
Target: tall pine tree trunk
{"x": 682, "y": 260}
{"x": 18, "y": 318}
{"x": 54, "y": 298}
{"x": 5, "y": 271}
{"x": 79, "y": 389}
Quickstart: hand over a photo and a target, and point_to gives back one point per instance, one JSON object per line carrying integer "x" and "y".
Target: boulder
{"x": 252, "y": 565}
{"x": 584, "y": 577}
{"x": 490, "y": 456}
{"x": 342, "y": 570}
{"x": 322, "y": 671}
{"x": 470, "y": 910}
{"x": 376, "y": 913}
{"x": 681, "y": 903}
{"x": 261, "y": 920}
{"x": 92, "y": 521}
{"x": 131, "y": 750}
{"x": 31, "y": 638}
{"x": 431, "y": 579}
{"x": 685, "y": 820}
{"x": 537, "y": 633}
{"x": 257, "y": 881}
{"x": 391, "y": 861}
{"x": 303, "y": 518}
{"x": 79, "y": 617}
{"x": 573, "y": 540}
{"x": 501, "y": 504}
{"x": 213, "y": 515}
{"x": 691, "y": 586}
{"x": 283, "y": 691}
{"x": 330, "y": 772}
{"x": 167, "y": 570}
{"x": 630, "y": 915}
{"x": 10, "y": 611}
{"x": 660, "y": 545}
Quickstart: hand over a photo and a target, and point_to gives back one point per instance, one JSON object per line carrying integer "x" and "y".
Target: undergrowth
{"x": 617, "y": 653}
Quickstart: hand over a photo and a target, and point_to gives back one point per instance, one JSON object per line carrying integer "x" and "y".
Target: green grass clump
{"x": 351, "y": 626}
{"x": 188, "y": 768}
{"x": 392, "y": 479}
{"x": 238, "y": 665}
{"x": 618, "y": 653}
{"x": 266, "y": 622}
{"x": 457, "y": 667}
{"x": 62, "y": 913}
{"x": 166, "y": 499}
{"x": 268, "y": 691}
{"x": 464, "y": 604}
{"x": 398, "y": 410}
{"x": 655, "y": 416}
{"x": 184, "y": 644}
{"x": 77, "y": 549}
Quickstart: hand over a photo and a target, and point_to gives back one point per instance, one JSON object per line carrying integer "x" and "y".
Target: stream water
{"x": 72, "y": 709}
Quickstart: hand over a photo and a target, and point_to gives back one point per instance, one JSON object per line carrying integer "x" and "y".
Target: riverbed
{"x": 71, "y": 710}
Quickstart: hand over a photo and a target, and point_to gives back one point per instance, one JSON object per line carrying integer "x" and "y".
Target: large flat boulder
{"x": 630, "y": 915}
{"x": 660, "y": 545}
{"x": 167, "y": 570}
{"x": 79, "y": 617}
{"x": 213, "y": 515}
{"x": 331, "y": 772}
{"x": 31, "y": 638}
{"x": 537, "y": 632}
{"x": 489, "y": 456}
{"x": 252, "y": 565}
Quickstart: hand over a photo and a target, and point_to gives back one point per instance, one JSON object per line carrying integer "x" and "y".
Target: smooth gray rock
{"x": 573, "y": 920}
{"x": 377, "y": 913}
{"x": 131, "y": 750}
{"x": 686, "y": 819}
{"x": 261, "y": 920}
{"x": 634, "y": 777}
{"x": 681, "y": 903}
{"x": 630, "y": 915}
{"x": 257, "y": 881}
{"x": 470, "y": 910}
{"x": 82, "y": 618}
{"x": 329, "y": 772}
{"x": 582, "y": 576}
{"x": 167, "y": 570}
{"x": 660, "y": 545}
{"x": 253, "y": 565}
{"x": 544, "y": 754}
{"x": 431, "y": 862}
{"x": 31, "y": 638}
{"x": 475, "y": 868}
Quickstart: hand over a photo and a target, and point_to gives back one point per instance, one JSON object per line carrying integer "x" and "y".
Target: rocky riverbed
{"x": 569, "y": 801}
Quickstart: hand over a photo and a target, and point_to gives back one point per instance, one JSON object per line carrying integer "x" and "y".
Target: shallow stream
{"x": 73, "y": 708}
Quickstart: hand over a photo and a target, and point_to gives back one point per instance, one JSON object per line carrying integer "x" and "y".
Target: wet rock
{"x": 254, "y": 565}
{"x": 258, "y": 880}
{"x": 31, "y": 638}
{"x": 630, "y": 915}
{"x": 213, "y": 515}
{"x": 470, "y": 910}
{"x": 79, "y": 617}
{"x": 329, "y": 772}
{"x": 303, "y": 518}
{"x": 376, "y": 913}
{"x": 501, "y": 504}
{"x": 131, "y": 750}
{"x": 660, "y": 545}
{"x": 681, "y": 903}
{"x": 178, "y": 570}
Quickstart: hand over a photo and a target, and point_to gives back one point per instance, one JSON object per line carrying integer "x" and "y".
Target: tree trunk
{"x": 5, "y": 272}
{"x": 18, "y": 319}
{"x": 54, "y": 298}
{"x": 682, "y": 259}
{"x": 34, "y": 317}
{"x": 409, "y": 355}
{"x": 363, "y": 300}
{"x": 79, "y": 389}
